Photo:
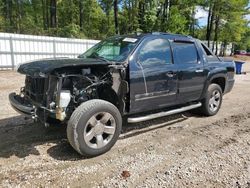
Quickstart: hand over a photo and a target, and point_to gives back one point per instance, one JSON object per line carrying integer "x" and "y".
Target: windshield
{"x": 112, "y": 49}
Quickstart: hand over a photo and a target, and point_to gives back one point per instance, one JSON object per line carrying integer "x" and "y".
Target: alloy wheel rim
{"x": 214, "y": 101}
{"x": 99, "y": 130}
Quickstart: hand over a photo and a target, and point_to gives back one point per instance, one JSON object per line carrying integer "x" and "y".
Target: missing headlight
{"x": 64, "y": 99}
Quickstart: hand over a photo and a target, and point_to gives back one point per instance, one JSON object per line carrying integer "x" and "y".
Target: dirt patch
{"x": 184, "y": 150}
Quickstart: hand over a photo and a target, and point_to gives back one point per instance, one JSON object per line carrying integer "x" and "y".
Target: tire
{"x": 94, "y": 127}
{"x": 213, "y": 100}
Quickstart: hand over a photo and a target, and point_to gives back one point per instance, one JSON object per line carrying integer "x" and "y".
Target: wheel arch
{"x": 219, "y": 78}
{"x": 221, "y": 81}
{"x": 108, "y": 94}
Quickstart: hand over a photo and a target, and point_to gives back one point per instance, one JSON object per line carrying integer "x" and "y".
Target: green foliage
{"x": 149, "y": 20}
{"x": 244, "y": 44}
{"x": 95, "y": 18}
{"x": 176, "y": 23}
{"x": 226, "y": 23}
{"x": 70, "y": 31}
{"x": 232, "y": 25}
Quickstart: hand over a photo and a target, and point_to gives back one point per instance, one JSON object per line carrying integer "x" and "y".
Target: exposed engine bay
{"x": 57, "y": 95}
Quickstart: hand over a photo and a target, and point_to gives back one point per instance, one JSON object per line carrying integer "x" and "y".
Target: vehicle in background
{"x": 240, "y": 52}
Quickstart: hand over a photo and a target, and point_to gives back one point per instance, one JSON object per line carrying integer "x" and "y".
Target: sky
{"x": 202, "y": 15}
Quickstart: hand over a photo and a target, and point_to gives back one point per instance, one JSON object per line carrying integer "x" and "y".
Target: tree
{"x": 116, "y": 16}
{"x": 45, "y": 14}
{"x": 53, "y": 20}
{"x": 8, "y": 8}
{"x": 99, "y": 19}
{"x": 210, "y": 21}
{"x": 81, "y": 14}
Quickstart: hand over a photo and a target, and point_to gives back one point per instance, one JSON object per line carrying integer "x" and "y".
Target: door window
{"x": 155, "y": 52}
{"x": 185, "y": 53}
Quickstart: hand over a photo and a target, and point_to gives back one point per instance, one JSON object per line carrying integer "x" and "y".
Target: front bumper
{"x": 24, "y": 107}
{"x": 21, "y": 105}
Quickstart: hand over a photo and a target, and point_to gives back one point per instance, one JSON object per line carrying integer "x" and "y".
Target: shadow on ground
{"x": 19, "y": 137}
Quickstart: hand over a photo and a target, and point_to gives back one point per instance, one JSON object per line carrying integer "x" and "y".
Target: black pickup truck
{"x": 130, "y": 78}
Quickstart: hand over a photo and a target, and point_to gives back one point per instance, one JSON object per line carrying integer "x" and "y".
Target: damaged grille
{"x": 34, "y": 88}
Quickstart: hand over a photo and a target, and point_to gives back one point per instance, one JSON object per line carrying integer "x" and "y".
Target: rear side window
{"x": 155, "y": 52}
{"x": 185, "y": 53}
{"x": 209, "y": 55}
{"x": 206, "y": 50}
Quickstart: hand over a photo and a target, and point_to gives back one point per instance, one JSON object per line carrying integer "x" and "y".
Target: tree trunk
{"x": 19, "y": 16}
{"x": 133, "y": 27}
{"x": 81, "y": 14}
{"x": 216, "y": 47}
{"x": 210, "y": 20}
{"x": 46, "y": 13}
{"x": 192, "y": 21}
{"x": 216, "y": 31}
{"x": 224, "y": 49}
{"x": 44, "y": 7}
{"x": 8, "y": 14}
{"x": 34, "y": 6}
{"x": 116, "y": 16}
{"x": 129, "y": 16}
{"x": 213, "y": 46}
{"x": 221, "y": 49}
{"x": 232, "y": 49}
{"x": 168, "y": 9}
{"x": 164, "y": 13}
{"x": 53, "y": 21}
{"x": 141, "y": 13}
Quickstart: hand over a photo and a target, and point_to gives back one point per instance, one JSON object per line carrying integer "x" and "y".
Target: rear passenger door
{"x": 191, "y": 75}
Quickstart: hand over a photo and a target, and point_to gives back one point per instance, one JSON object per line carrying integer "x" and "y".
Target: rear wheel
{"x": 213, "y": 100}
{"x": 94, "y": 127}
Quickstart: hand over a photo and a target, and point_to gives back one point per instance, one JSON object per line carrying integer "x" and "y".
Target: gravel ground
{"x": 184, "y": 150}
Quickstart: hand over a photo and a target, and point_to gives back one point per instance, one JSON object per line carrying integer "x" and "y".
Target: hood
{"x": 45, "y": 66}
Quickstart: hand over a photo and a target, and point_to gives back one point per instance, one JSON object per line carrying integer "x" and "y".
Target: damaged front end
{"x": 54, "y": 96}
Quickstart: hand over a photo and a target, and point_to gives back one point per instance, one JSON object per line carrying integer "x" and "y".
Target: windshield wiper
{"x": 96, "y": 56}
{"x": 102, "y": 58}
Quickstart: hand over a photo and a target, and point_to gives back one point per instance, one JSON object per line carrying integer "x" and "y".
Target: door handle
{"x": 199, "y": 70}
{"x": 170, "y": 74}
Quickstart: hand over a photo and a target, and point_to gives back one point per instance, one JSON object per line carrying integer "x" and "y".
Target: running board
{"x": 162, "y": 114}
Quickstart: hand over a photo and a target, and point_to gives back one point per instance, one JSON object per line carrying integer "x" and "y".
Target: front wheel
{"x": 213, "y": 100}
{"x": 94, "y": 127}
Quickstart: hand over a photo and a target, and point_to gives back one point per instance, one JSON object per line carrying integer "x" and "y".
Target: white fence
{"x": 16, "y": 49}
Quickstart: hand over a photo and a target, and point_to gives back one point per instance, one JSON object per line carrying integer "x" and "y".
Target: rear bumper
{"x": 20, "y": 105}
{"x": 229, "y": 86}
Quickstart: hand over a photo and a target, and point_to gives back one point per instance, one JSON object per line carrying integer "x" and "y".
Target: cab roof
{"x": 170, "y": 36}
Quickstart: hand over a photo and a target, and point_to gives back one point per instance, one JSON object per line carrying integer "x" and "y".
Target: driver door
{"x": 153, "y": 76}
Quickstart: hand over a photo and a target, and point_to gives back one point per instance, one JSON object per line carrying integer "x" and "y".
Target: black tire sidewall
{"x": 211, "y": 89}
{"x": 101, "y": 106}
